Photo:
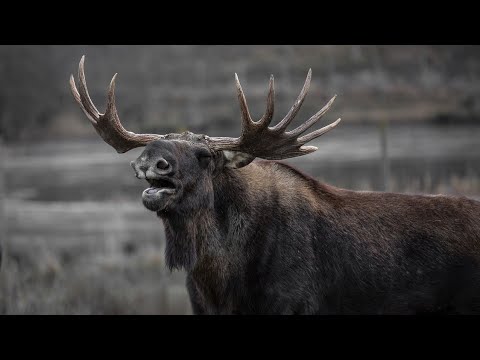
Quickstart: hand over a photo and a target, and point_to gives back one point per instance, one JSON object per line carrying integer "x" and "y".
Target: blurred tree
{"x": 192, "y": 85}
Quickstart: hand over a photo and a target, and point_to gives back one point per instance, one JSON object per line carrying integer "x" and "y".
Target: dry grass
{"x": 69, "y": 259}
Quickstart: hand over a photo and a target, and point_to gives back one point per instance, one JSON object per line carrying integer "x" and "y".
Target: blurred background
{"x": 76, "y": 238}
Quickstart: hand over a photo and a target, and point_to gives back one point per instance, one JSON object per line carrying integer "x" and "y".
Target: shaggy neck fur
{"x": 215, "y": 223}
{"x": 190, "y": 237}
{"x": 199, "y": 234}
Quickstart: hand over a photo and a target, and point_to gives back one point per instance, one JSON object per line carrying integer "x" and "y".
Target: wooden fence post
{"x": 3, "y": 220}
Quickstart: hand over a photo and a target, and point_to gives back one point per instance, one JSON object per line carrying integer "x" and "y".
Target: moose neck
{"x": 204, "y": 232}
{"x": 189, "y": 237}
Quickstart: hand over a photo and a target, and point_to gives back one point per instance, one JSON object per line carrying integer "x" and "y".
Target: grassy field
{"x": 87, "y": 258}
{"x": 75, "y": 243}
{"x": 77, "y": 239}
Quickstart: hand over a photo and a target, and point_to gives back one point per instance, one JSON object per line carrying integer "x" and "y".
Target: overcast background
{"x": 75, "y": 235}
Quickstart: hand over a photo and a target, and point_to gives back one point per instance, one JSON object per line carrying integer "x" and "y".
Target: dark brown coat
{"x": 267, "y": 239}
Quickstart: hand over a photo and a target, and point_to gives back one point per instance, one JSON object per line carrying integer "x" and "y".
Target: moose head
{"x": 180, "y": 168}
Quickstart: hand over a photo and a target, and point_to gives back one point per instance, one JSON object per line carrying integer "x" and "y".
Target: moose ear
{"x": 236, "y": 159}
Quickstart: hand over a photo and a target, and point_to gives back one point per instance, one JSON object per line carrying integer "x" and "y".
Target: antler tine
{"x": 86, "y": 100}
{"x": 111, "y": 108}
{"x": 313, "y": 135}
{"x": 268, "y": 116}
{"x": 310, "y": 122}
{"x": 246, "y": 118}
{"x": 111, "y": 115}
{"x": 78, "y": 99}
{"x": 282, "y": 125}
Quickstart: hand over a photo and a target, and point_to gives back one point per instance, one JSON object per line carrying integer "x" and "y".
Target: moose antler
{"x": 260, "y": 140}
{"x": 257, "y": 138}
{"x": 107, "y": 125}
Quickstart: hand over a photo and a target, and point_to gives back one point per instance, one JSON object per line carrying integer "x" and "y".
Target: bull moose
{"x": 261, "y": 237}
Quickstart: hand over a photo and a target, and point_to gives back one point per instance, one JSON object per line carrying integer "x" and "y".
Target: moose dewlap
{"x": 260, "y": 237}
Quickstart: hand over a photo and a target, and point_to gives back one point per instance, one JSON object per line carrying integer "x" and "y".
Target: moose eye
{"x": 203, "y": 157}
{"x": 162, "y": 164}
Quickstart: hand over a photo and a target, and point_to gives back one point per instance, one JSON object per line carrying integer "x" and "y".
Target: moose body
{"x": 274, "y": 241}
{"x": 260, "y": 237}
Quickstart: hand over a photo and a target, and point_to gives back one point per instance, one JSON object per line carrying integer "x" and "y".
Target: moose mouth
{"x": 160, "y": 186}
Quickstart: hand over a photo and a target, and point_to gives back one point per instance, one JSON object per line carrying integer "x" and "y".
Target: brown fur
{"x": 266, "y": 238}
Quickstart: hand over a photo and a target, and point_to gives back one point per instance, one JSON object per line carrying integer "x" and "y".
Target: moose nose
{"x": 162, "y": 164}
{"x": 151, "y": 168}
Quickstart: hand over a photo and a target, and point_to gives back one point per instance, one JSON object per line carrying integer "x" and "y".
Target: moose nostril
{"x": 162, "y": 164}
